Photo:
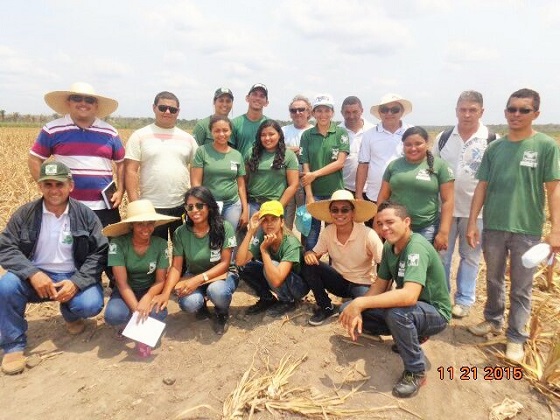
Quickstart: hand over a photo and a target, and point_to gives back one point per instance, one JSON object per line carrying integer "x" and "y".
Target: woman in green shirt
{"x": 139, "y": 261}
{"x": 272, "y": 170}
{"x": 419, "y": 181}
{"x": 205, "y": 243}
{"x": 220, "y": 168}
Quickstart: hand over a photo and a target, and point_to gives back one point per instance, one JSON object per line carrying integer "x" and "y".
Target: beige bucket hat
{"x": 137, "y": 211}
{"x": 363, "y": 210}
{"x": 58, "y": 99}
{"x": 387, "y": 99}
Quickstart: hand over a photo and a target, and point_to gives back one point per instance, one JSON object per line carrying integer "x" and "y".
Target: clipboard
{"x": 108, "y": 192}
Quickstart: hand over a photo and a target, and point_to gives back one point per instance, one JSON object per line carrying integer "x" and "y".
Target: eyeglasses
{"x": 343, "y": 210}
{"x": 198, "y": 206}
{"x": 392, "y": 110}
{"x": 81, "y": 98}
{"x": 171, "y": 109}
{"x": 514, "y": 110}
{"x": 297, "y": 110}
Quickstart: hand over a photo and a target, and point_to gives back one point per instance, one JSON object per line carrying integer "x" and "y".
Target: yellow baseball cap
{"x": 273, "y": 207}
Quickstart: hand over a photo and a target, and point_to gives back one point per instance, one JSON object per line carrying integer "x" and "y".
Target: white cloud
{"x": 458, "y": 52}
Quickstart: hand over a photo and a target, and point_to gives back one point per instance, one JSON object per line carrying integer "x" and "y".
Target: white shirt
{"x": 54, "y": 245}
{"x": 292, "y": 135}
{"x": 379, "y": 147}
{"x": 464, "y": 158}
{"x": 351, "y": 162}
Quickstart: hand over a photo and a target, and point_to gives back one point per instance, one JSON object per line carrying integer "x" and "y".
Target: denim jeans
{"x": 290, "y": 211}
{"x": 291, "y": 290}
{"x": 253, "y": 207}
{"x": 322, "y": 278}
{"x": 428, "y": 232}
{"x": 219, "y": 292}
{"x": 496, "y": 246}
{"x": 313, "y": 236}
{"x": 232, "y": 213}
{"x": 117, "y": 311}
{"x": 468, "y": 264}
{"x": 16, "y": 293}
{"x": 406, "y": 325}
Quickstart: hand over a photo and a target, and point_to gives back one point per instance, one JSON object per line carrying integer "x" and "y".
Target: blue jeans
{"x": 428, "y": 232}
{"x": 496, "y": 246}
{"x": 232, "y": 213}
{"x": 468, "y": 264}
{"x": 313, "y": 236}
{"x": 291, "y": 290}
{"x": 219, "y": 292}
{"x": 290, "y": 209}
{"x": 322, "y": 278}
{"x": 16, "y": 293}
{"x": 406, "y": 325}
{"x": 117, "y": 311}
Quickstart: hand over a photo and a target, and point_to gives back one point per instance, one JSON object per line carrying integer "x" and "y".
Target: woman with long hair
{"x": 272, "y": 170}
{"x": 205, "y": 243}
{"x": 419, "y": 181}
{"x": 220, "y": 168}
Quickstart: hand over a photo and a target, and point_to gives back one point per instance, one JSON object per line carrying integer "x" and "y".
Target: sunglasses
{"x": 297, "y": 110}
{"x": 198, "y": 206}
{"x": 164, "y": 108}
{"x": 392, "y": 110}
{"x": 81, "y": 98}
{"x": 343, "y": 210}
{"x": 514, "y": 110}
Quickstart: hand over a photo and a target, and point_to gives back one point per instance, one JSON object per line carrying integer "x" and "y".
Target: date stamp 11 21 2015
{"x": 487, "y": 373}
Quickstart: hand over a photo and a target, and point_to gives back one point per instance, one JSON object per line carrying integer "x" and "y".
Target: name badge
{"x": 233, "y": 165}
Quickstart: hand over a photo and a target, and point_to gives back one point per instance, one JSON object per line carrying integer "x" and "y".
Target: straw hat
{"x": 58, "y": 99}
{"x": 387, "y": 99}
{"x": 363, "y": 210}
{"x": 138, "y": 211}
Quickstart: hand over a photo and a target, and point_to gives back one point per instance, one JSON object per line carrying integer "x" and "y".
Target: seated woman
{"x": 353, "y": 248}
{"x": 419, "y": 181}
{"x": 139, "y": 262}
{"x": 205, "y": 243}
{"x": 271, "y": 257}
{"x": 272, "y": 170}
{"x": 220, "y": 168}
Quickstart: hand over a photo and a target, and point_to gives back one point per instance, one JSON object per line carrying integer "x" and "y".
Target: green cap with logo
{"x": 54, "y": 171}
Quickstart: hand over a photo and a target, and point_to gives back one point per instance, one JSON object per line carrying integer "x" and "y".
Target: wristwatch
{"x": 205, "y": 277}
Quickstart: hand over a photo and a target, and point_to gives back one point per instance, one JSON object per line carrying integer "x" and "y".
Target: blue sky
{"x": 426, "y": 50}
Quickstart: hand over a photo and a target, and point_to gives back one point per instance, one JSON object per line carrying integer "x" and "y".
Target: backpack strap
{"x": 444, "y": 137}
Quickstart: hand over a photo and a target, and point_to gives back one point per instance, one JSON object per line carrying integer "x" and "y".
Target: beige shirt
{"x": 357, "y": 259}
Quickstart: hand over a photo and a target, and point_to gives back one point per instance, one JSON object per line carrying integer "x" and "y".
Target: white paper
{"x": 147, "y": 331}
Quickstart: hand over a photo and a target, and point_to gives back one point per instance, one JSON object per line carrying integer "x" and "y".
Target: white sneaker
{"x": 515, "y": 352}
{"x": 460, "y": 311}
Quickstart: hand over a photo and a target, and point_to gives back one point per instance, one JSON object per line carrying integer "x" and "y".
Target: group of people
{"x": 393, "y": 209}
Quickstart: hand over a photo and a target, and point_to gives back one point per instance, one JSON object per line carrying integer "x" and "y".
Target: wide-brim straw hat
{"x": 363, "y": 209}
{"x": 58, "y": 99}
{"x": 137, "y": 211}
{"x": 387, "y": 99}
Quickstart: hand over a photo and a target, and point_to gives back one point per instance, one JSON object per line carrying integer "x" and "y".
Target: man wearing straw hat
{"x": 417, "y": 308}
{"x": 381, "y": 144}
{"x": 157, "y": 162}
{"x": 354, "y": 250}
{"x": 53, "y": 250}
{"x": 84, "y": 143}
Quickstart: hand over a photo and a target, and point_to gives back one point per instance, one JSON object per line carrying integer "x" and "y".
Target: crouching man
{"x": 271, "y": 257}
{"x": 417, "y": 308}
{"x": 53, "y": 250}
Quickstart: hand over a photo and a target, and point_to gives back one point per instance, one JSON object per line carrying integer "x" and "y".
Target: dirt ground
{"x": 96, "y": 376}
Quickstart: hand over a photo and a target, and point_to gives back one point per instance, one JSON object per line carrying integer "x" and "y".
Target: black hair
{"x": 258, "y": 148}
{"x": 215, "y": 219}
{"x": 215, "y": 118}
{"x": 166, "y": 95}
{"x": 400, "y": 210}
{"x": 527, "y": 93}
{"x": 424, "y": 134}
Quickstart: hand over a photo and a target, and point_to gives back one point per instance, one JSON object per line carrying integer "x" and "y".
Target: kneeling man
{"x": 53, "y": 250}
{"x": 419, "y": 306}
{"x": 271, "y": 257}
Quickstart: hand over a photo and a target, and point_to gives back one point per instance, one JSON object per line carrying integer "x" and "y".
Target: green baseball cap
{"x": 54, "y": 171}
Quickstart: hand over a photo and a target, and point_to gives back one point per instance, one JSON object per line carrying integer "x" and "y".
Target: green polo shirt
{"x": 290, "y": 250}
{"x": 202, "y": 133}
{"x": 267, "y": 183}
{"x": 245, "y": 132}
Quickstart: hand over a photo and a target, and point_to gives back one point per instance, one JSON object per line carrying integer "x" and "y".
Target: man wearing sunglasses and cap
{"x": 245, "y": 126}
{"x": 223, "y": 102}
{"x": 53, "y": 251}
{"x": 86, "y": 144}
{"x": 157, "y": 162}
{"x": 515, "y": 173}
{"x": 381, "y": 144}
